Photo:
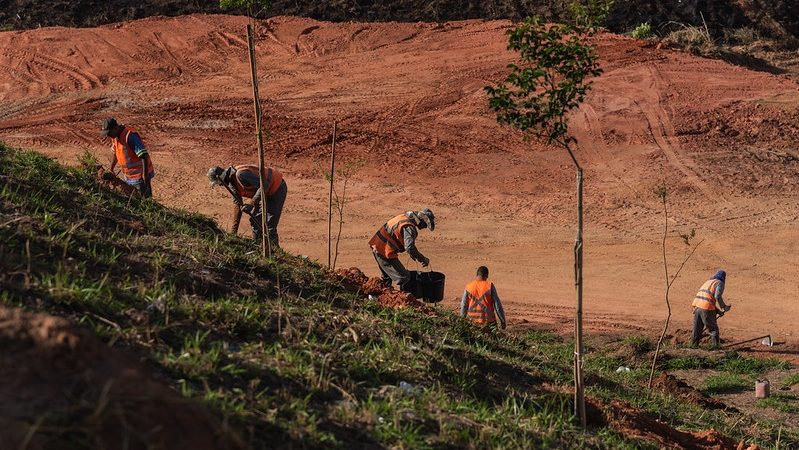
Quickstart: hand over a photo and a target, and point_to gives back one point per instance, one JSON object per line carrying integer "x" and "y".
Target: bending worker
{"x": 244, "y": 182}
{"x": 131, "y": 155}
{"x": 480, "y": 302}
{"x": 396, "y": 236}
{"x": 708, "y": 304}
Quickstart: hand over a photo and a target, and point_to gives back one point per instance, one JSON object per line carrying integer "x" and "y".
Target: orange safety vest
{"x": 132, "y": 166}
{"x": 480, "y": 304}
{"x": 706, "y": 297}
{"x": 388, "y": 241}
{"x": 249, "y": 191}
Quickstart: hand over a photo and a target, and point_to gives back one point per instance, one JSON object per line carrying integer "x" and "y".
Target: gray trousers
{"x": 393, "y": 270}
{"x": 274, "y": 208}
{"x": 705, "y": 319}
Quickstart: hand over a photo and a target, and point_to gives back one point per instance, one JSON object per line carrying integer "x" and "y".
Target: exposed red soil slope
{"x": 410, "y": 104}
{"x": 60, "y": 387}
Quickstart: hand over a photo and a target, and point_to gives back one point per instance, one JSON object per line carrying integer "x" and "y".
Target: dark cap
{"x": 108, "y": 125}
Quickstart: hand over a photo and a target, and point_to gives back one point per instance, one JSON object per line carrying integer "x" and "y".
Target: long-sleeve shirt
{"x": 719, "y": 292}
{"x": 409, "y": 235}
{"x": 497, "y": 303}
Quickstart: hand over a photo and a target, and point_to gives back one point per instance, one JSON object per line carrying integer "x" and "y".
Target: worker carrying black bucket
{"x": 708, "y": 305}
{"x": 480, "y": 302}
{"x": 396, "y": 236}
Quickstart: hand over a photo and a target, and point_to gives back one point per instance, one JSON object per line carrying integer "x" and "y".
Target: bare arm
{"x": 145, "y": 172}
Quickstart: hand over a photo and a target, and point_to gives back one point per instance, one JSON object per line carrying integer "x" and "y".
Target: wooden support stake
{"x": 330, "y": 198}
{"x": 579, "y": 387}
{"x": 266, "y": 247}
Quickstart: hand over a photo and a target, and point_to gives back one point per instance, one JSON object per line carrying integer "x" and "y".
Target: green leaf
{"x": 551, "y": 80}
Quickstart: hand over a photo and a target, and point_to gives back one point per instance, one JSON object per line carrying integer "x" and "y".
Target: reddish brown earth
{"x": 60, "y": 387}
{"x": 631, "y": 421}
{"x": 669, "y": 383}
{"x": 410, "y": 104}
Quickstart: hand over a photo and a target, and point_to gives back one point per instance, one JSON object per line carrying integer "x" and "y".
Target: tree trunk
{"x": 330, "y": 199}
{"x": 266, "y": 247}
{"x": 579, "y": 390}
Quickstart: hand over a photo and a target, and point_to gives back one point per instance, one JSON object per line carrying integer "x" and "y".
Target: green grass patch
{"x": 642, "y": 31}
{"x": 791, "y": 380}
{"x": 734, "y": 363}
{"x": 687, "y": 363}
{"x": 787, "y": 403}
{"x": 639, "y": 344}
{"x": 726, "y": 383}
{"x": 731, "y": 362}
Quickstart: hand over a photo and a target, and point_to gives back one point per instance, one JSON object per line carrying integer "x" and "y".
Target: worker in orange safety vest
{"x": 396, "y": 236}
{"x": 480, "y": 303}
{"x": 131, "y": 155}
{"x": 242, "y": 182}
{"x": 708, "y": 304}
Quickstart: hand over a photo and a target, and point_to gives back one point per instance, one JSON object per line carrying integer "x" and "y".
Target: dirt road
{"x": 410, "y": 104}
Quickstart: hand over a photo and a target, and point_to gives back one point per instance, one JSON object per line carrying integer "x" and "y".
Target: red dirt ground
{"x": 60, "y": 387}
{"x": 631, "y": 421}
{"x": 410, "y": 104}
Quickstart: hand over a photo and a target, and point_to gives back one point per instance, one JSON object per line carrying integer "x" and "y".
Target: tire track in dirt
{"x": 82, "y": 80}
{"x": 591, "y": 132}
{"x": 650, "y": 101}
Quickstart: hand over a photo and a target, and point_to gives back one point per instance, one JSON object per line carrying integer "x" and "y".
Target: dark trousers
{"x": 145, "y": 189}
{"x": 274, "y": 209}
{"x": 393, "y": 270}
{"x": 705, "y": 319}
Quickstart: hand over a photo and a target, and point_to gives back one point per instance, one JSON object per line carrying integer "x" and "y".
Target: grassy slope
{"x": 281, "y": 352}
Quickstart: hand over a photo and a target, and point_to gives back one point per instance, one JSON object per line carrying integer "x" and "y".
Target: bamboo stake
{"x": 579, "y": 388}
{"x": 330, "y": 198}
{"x": 266, "y": 247}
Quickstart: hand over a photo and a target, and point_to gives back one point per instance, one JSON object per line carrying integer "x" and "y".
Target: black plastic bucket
{"x": 428, "y": 286}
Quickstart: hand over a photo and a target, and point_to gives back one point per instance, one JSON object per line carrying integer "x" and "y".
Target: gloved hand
{"x": 425, "y": 261}
{"x": 247, "y": 209}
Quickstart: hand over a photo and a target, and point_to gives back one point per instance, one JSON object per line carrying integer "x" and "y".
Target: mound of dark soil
{"x": 778, "y": 19}
{"x": 633, "y": 422}
{"x": 675, "y": 386}
{"x": 60, "y": 387}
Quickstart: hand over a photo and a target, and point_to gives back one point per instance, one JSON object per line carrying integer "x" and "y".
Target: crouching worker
{"x": 131, "y": 155}
{"x": 480, "y": 302}
{"x": 244, "y": 182}
{"x": 396, "y": 236}
{"x": 708, "y": 304}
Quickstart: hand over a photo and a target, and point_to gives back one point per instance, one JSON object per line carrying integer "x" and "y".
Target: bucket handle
{"x": 419, "y": 269}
